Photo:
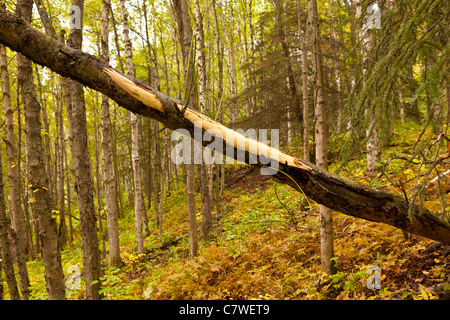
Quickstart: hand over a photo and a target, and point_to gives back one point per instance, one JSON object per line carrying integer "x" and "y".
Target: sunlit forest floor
{"x": 263, "y": 248}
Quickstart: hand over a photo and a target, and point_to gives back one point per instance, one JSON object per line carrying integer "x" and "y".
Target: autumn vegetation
{"x": 92, "y": 205}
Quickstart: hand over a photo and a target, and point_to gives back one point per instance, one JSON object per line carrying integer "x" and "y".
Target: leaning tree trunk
{"x": 323, "y": 187}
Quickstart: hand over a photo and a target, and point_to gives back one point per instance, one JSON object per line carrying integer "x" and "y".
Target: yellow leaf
{"x": 436, "y": 260}
{"x": 424, "y": 295}
{"x": 383, "y": 276}
{"x": 409, "y": 173}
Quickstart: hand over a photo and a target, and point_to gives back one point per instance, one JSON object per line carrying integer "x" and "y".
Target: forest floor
{"x": 264, "y": 247}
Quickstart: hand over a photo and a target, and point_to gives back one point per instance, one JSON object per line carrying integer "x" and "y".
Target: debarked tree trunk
{"x": 322, "y": 187}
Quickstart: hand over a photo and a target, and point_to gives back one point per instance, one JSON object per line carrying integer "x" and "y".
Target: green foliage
{"x": 264, "y": 245}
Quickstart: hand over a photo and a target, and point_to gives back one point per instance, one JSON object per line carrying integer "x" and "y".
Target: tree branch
{"x": 320, "y": 186}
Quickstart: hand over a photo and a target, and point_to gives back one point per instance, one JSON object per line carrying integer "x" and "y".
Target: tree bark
{"x": 303, "y": 37}
{"x": 323, "y": 187}
{"x": 98, "y": 179}
{"x": 203, "y": 169}
{"x": 36, "y": 173}
{"x": 109, "y": 179}
{"x": 220, "y": 53}
{"x": 5, "y": 249}
{"x": 83, "y": 182}
{"x": 13, "y": 176}
{"x": 321, "y": 137}
{"x": 139, "y": 208}
{"x": 181, "y": 13}
{"x": 294, "y": 105}
{"x": 374, "y": 142}
{"x": 61, "y": 145}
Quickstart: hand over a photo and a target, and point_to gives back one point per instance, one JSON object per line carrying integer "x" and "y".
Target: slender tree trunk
{"x": 36, "y": 173}
{"x": 46, "y": 137}
{"x": 98, "y": 184}
{"x": 374, "y": 142}
{"x": 201, "y": 58}
{"x": 83, "y": 182}
{"x": 220, "y": 56}
{"x": 5, "y": 253}
{"x": 190, "y": 176}
{"x": 13, "y": 177}
{"x": 59, "y": 151}
{"x": 203, "y": 169}
{"x": 293, "y": 103}
{"x": 65, "y": 97}
{"x": 303, "y": 37}
{"x": 231, "y": 61}
{"x": 181, "y": 13}
{"x": 69, "y": 197}
{"x": 109, "y": 178}
{"x": 45, "y": 18}
{"x": 447, "y": 123}
{"x": 321, "y": 136}
{"x": 139, "y": 209}
{"x": 23, "y": 194}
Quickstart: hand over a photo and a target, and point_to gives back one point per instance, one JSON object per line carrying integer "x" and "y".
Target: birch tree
{"x": 139, "y": 208}
{"x": 109, "y": 178}
{"x": 204, "y": 170}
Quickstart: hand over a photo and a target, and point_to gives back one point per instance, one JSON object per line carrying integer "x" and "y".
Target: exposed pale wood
{"x": 325, "y": 188}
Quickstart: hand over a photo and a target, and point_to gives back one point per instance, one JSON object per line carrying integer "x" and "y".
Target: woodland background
{"x": 118, "y": 207}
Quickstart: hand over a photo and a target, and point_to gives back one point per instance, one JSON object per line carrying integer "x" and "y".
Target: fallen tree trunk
{"x": 322, "y": 187}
